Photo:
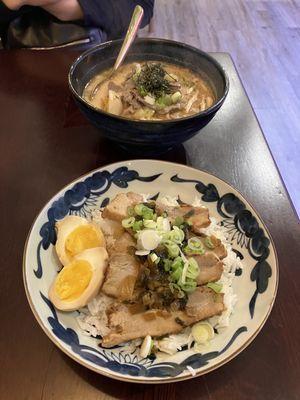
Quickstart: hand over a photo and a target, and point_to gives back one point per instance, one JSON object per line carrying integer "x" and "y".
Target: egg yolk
{"x": 82, "y": 238}
{"x": 73, "y": 279}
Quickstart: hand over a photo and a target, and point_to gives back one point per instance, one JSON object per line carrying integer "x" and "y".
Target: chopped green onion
{"x": 149, "y": 223}
{"x": 173, "y": 287}
{"x": 193, "y": 269}
{"x": 153, "y": 257}
{"x": 167, "y": 264}
{"x": 163, "y": 224}
{"x": 176, "y": 235}
{"x": 128, "y": 222}
{"x": 142, "y": 91}
{"x": 195, "y": 243}
{"x": 147, "y": 214}
{"x": 137, "y": 226}
{"x": 177, "y": 263}
{"x": 143, "y": 211}
{"x": 164, "y": 101}
{"x": 139, "y": 209}
{"x": 202, "y": 332}
{"x": 180, "y": 294}
{"x": 172, "y": 248}
{"x": 209, "y": 243}
{"x": 216, "y": 287}
{"x": 178, "y": 221}
{"x": 189, "y": 286}
{"x": 194, "y": 246}
{"x": 191, "y": 252}
{"x": 188, "y": 251}
{"x": 184, "y": 271}
{"x": 164, "y": 214}
{"x": 190, "y": 272}
{"x": 146, "y": 346}
{"x": 176, "y": 97}
{"x": 148, "y": 239}
{"x": 176, "y": 274}
{"x": 130, "y": 211}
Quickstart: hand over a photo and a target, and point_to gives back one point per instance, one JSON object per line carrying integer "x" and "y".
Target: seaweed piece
{"x": 152, "y": 80}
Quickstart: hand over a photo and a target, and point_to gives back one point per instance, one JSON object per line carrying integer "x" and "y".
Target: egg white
{"x": 64, "y": 228}
{"x": 98, "y": 260}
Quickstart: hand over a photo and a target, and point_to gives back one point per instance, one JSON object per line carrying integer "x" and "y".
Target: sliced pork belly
{"x": 117, "y": 208}
{"x": 126, "y": 325}
{"x": 198, "y": 217}
{"x": 210, "y": 266}
{"x": 204, "y": 301}
{"x": 121, "y": 245}
{"x": 121, "y": 276}
{"x": 219, "y": 249}
{"x": 109, "y": 227}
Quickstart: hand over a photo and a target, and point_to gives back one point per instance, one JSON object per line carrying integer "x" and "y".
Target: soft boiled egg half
{"x": 74, "y": 235}
{"x": 80, "y": 280}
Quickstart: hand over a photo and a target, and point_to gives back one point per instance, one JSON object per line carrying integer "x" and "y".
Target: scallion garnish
{"x": 208, "y": 243}
{"x": 128, "y": 222}
{"x": 216, "y": 287}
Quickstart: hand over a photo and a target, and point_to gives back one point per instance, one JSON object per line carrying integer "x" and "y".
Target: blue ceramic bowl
{"x": 147, "y": 136}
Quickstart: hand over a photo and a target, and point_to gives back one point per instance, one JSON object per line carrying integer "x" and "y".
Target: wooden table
{"x": 44, "y": 144}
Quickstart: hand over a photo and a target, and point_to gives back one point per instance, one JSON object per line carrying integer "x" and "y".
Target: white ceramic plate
{"x": 255, "y": 285}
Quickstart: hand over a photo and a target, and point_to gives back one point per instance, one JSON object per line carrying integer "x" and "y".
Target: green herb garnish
{"x": 152, "y": 80}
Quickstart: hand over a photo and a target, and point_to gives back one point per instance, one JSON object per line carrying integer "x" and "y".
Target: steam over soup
{"x": 150, "y": 91}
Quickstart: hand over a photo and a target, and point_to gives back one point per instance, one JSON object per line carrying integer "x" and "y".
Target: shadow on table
{"x": 114, "y": 153}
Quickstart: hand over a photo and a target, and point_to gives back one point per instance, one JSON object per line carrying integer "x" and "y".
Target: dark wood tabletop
{"x": 44, "y": 144}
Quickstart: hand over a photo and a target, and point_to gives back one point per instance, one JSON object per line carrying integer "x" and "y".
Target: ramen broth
{"x": 150, "y": 91}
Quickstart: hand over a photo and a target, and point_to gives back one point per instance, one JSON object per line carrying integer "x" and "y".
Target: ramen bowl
{"x": 140, "y": 136}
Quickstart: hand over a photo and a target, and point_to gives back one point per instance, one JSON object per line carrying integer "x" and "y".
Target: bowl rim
{"x": 212, "y": 109}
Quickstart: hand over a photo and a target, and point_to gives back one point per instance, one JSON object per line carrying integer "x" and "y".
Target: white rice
{"x": 93, "y": 319}
{"x": 231, "y": 264}
{"x": 169, "y": 201}
{"x": 191, "y": 370}
{"x": 173, "y": 343}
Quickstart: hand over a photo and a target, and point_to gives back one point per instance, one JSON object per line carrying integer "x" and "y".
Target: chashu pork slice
{"x": 127, "y": 325}
{"x": 219, "y": 249}
{"x": 117, "y": 208}
{"x": 122, "y": 245}
{"x": 210, "y": 268}
{"x": 203, "y": 302}
{"x": 198, "y": 217}
{"x": 122, "y": 273}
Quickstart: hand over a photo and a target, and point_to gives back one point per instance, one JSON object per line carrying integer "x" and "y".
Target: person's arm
{"x": 65, "y": 10}
{"x": 113, "y": 16}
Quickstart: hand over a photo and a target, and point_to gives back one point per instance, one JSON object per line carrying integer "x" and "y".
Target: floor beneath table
{"x": 263, "y": 38}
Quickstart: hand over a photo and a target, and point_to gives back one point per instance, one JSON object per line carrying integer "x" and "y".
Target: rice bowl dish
{"x": 168, "y": 237}
{"x": 61, "y": 244}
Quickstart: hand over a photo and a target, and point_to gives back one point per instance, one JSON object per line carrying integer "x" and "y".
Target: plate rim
{"x": 144, "y": 380}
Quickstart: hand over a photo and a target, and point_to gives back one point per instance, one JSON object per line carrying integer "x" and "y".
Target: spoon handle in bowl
{"x": 135, "y": 22}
